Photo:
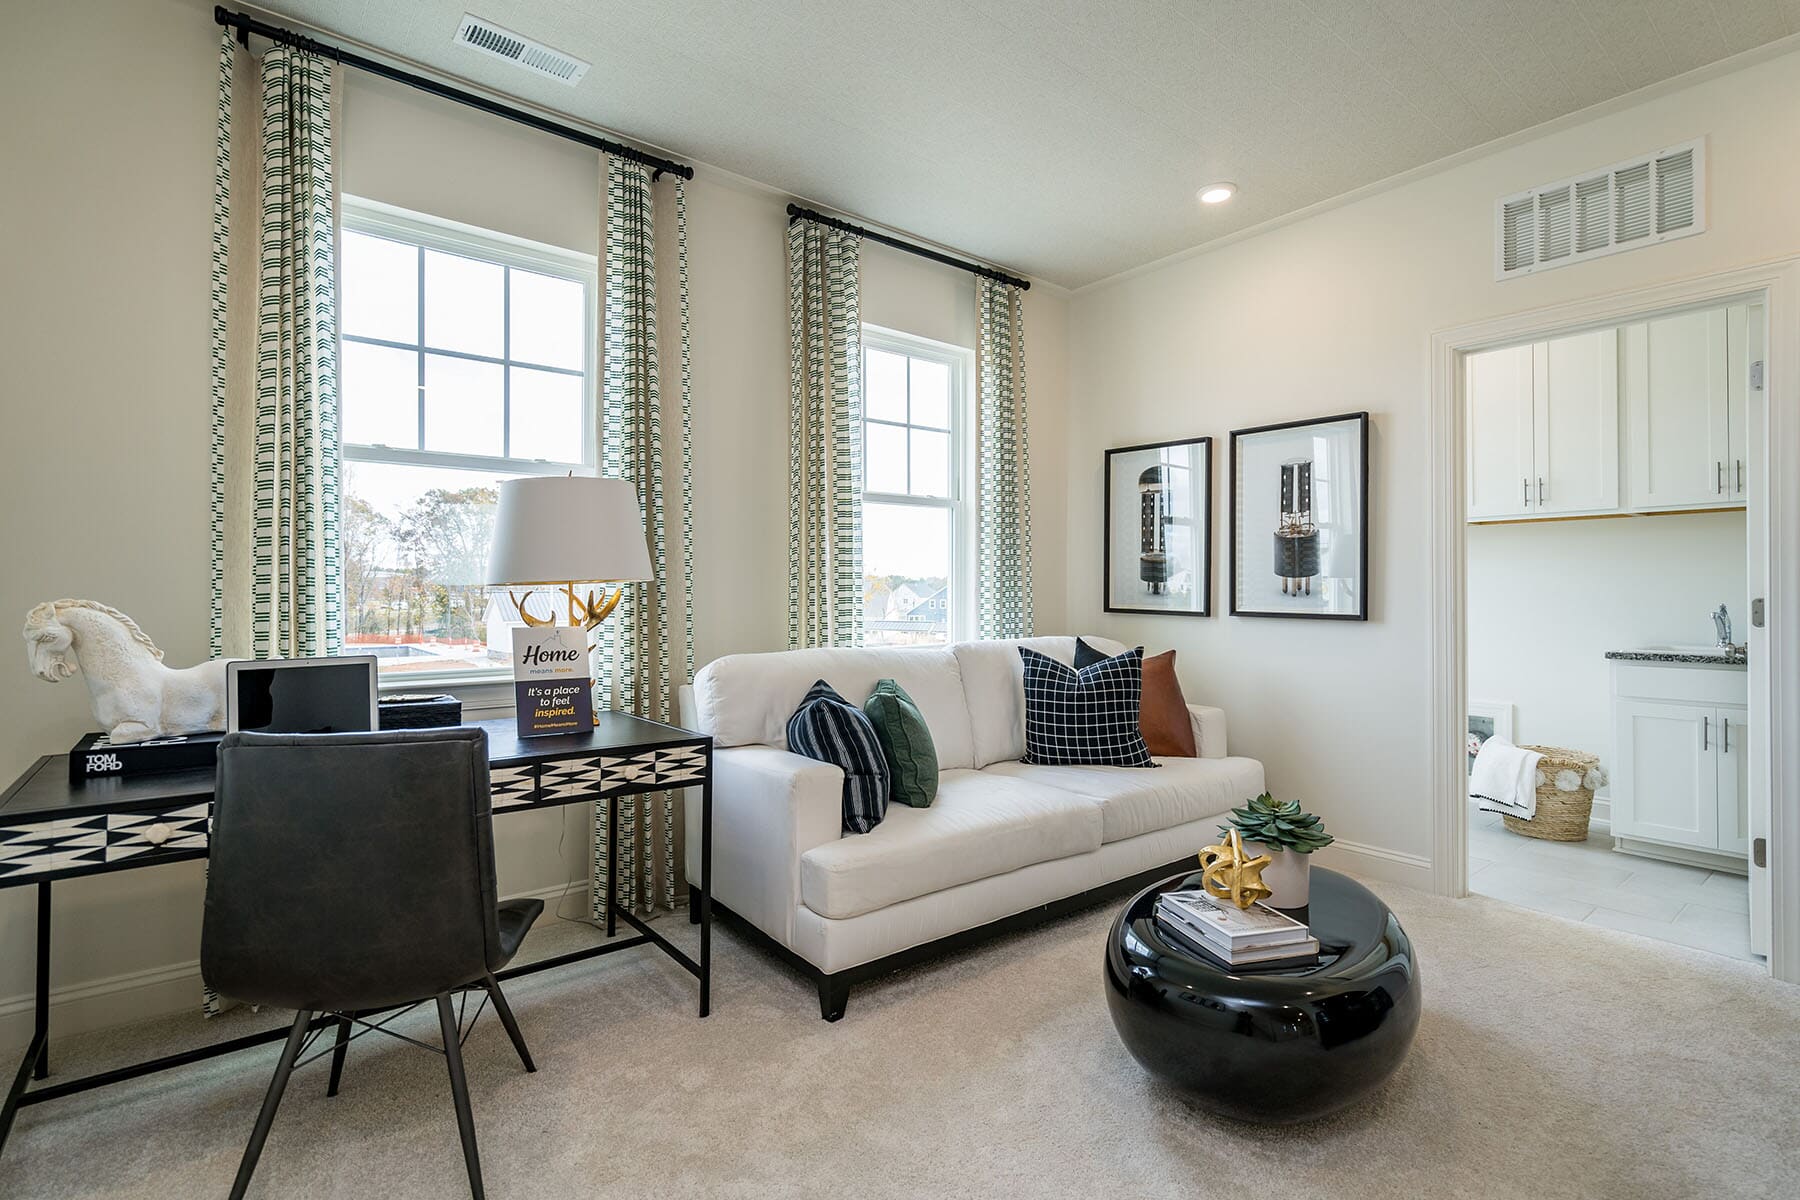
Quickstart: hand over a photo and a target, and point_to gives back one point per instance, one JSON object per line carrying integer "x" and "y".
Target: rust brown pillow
{"x": 1163, "y": 716}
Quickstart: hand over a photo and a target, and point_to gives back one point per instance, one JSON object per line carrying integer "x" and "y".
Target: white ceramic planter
{"x": 1289, "y": 875}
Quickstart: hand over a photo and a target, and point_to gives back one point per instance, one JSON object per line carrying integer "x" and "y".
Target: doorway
{"x": 1564, "y": 354}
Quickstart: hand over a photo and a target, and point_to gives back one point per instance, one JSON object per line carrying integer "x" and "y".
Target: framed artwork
{"x": 1158, "y": 544}
{"x": 1488, "y": 718}
{"x": 1299, "y": 519}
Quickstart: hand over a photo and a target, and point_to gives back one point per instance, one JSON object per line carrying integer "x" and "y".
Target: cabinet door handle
{"x": 1740, "y": 473}
{"x": 1725, "y": 735}
{"x": 1706, "y": 733}
{"x": 1719, "y": 478}
{"x": 1540, "y": 489}
{"x": 1525, "y": 492}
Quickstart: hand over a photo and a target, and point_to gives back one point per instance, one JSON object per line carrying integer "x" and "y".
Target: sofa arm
{"x": 1209, "y": 730}
{"x": 769, "y": 808}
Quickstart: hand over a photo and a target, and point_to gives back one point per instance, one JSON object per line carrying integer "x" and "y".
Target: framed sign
{"x": 552, "y": 686}
{"x": 1299, "y": 519}
{"x": 1158, "y": 543}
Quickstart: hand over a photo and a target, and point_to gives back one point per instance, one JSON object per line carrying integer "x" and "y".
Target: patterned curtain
{"x": 825, "y": 471}
{"x": 1003, "y": 569}
{"x": 645, "y": 652}
{"x": 273, "y": 447}
{"x": 290, "y": 604}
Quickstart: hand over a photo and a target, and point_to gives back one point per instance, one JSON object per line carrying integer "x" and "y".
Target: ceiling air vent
{"x": 1640, "y": 202}
{"x": 490, "y": 38}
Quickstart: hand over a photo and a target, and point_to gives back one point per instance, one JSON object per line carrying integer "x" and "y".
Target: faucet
{"x": 1722, "y": 623}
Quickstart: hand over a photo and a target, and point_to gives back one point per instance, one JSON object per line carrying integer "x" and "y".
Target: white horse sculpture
{"x": 135, "y": 697}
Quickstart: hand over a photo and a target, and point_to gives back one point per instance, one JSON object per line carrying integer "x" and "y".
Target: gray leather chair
{"x": 354, "y": 873}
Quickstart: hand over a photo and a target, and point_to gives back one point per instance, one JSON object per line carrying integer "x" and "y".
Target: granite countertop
{"x": 1736, "y": 656}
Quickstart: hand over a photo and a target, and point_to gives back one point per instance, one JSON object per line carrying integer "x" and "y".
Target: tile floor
{"x": 1588, "y": 881}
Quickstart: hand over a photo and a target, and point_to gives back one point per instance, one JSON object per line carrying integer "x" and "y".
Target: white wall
{"x": 103, "y": 378}
{"x": 1548, "y": 599}
{"x": 1334, "y": 314}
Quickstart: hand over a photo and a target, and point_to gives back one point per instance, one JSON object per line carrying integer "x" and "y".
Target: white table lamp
{"x": 563, "y": 531}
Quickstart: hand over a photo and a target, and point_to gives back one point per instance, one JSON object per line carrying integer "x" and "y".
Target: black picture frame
{"x": 1203, "y": 526}
{"x": 1239, "y": 437}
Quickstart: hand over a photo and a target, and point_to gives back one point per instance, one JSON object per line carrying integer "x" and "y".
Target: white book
{"x": 1292, "y": 952}
{"x": 1258, "y": 925}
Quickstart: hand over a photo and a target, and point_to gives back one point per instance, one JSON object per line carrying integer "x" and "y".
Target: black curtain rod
{"x": 797, "y": 213}
{"x": 246, "y": 25}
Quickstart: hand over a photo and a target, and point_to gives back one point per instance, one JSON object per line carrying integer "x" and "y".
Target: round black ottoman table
{"x": 1269, "y": 1044}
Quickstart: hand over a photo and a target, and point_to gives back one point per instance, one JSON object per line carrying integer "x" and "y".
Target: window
{"x": 918, "y": 544}
{"x": 467, "y": 359}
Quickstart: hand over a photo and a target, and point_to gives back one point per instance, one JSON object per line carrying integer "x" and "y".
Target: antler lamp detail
{"x": 566, "y": 531}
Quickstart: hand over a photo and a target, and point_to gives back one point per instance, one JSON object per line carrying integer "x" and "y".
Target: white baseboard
{"x": 138, "y": 995}
{"x": 1377, "y": 862}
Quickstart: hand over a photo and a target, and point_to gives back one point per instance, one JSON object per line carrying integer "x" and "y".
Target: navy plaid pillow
{"x": 831, "y": 729}
{"x": 1087, "y": 716}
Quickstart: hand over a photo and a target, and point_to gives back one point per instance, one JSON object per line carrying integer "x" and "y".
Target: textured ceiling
{"x": 1065, "y": 138}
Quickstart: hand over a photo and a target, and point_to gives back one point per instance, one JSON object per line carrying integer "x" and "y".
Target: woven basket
{"x": 1562, "y": 816}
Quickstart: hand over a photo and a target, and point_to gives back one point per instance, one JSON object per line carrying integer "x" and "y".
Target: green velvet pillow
{"x": 905, "y": 743}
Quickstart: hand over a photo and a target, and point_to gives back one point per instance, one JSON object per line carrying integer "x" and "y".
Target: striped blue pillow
{"x": 831, "y": 729}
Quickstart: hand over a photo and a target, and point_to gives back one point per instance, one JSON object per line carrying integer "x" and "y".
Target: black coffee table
{"x": 1269, "y": 1044}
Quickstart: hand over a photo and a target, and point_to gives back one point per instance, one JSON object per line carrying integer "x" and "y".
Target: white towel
{"x": 1504, "y": 779}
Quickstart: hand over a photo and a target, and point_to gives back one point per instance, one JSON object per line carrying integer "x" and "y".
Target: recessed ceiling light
{"x": 1217, "y": 193}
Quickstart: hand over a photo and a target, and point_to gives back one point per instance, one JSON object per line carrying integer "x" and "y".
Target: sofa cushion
{"x": 831, "y": 729}
{"x": 982, "y": 824}
{"x": 1085, "y": 716}
{"x": 905, "y": 743}
{"x": 745, "y": 699}
{"x": 1134, "y": 802}
{"x": 994, "y": 678}
{"x": 1163, "y": 715}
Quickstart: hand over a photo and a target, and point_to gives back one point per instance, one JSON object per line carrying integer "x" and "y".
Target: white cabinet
{"x": 1686, "y": 383}
{"x": 1543, "y": 432}
{"x": 1680, "y": 778}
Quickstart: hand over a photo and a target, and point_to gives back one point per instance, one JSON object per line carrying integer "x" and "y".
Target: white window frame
{"x": 360, "y": 215}
{"x": 960, "y": 502}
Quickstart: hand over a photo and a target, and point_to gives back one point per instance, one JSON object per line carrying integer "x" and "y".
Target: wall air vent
{"x": 1640, "y": 202}
{"x": 490, "y": 38}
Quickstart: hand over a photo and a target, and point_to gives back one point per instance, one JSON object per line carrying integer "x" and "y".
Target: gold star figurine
{"x": 1227, "y": 872}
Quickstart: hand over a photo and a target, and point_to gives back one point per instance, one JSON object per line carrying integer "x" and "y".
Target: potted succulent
{"x": 1288, "y": 835}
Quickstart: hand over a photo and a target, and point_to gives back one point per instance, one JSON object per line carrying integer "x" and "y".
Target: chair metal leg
{"x": 507, "y": 1019}
{"x": 337, "y": 1053}
{"x": 260, "y": 1133}
{"x": 459, "y": 1091}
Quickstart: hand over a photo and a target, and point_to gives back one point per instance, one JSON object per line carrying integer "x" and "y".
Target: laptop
{"x": 302, "y": 695}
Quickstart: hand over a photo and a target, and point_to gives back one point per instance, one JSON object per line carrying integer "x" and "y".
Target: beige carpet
{"x": 1553, "y": 1060}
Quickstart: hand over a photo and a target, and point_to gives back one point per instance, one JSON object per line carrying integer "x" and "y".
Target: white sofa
{"x": 1005, "y": 842}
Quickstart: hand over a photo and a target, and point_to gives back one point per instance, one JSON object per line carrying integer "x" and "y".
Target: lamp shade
{"x": 558, "y": 529}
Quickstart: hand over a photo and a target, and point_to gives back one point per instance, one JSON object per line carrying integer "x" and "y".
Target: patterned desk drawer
{"x": 573, "y": 780}
{"x": 77, "y": 844}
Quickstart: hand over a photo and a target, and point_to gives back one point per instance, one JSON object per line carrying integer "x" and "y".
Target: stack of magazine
{"x": 1236, "y": 937}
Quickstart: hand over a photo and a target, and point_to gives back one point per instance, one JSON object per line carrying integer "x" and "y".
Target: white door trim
{"x": 1775, "y": 699}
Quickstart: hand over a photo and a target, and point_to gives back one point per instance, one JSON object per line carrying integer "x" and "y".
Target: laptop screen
{"x": 304, "y": 696}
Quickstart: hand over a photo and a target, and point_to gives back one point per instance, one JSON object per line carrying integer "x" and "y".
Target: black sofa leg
{"x": 693, "y": 905}
{"x": 834, "y": 996}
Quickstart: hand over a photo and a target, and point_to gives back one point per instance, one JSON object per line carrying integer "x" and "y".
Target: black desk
{"x": 51, "y": 829}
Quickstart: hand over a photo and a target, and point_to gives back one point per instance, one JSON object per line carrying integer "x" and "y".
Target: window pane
{"x": 930, "y": 393}
{"x": 906, "y": 575}
{"x": 463, "y": 406}
{"x": 462, "y": 304}
{"x": 381, "y": 288}
{"x": 884, "y": 464}
{"x": 546, "y": 415}
{"x": 930, "y": 463}
{"x": 381, "y": 396}
{"x": 549, "y": 320}
{"x": 415, "y": 545}
{"x": 885, "y": 387}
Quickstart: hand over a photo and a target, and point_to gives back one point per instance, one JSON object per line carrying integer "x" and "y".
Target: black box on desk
{"x": 95, "y": 756}
{"x": 420, "y": 712}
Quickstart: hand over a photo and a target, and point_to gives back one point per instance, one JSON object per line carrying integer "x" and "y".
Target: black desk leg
{"x": 36, "y": 1063}
{"x": 612, "y": 864}
{"x": 706, "y": 817}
